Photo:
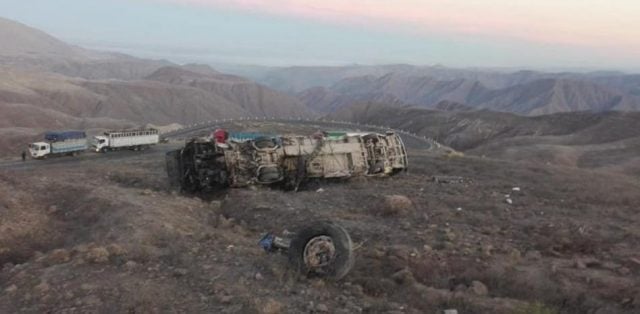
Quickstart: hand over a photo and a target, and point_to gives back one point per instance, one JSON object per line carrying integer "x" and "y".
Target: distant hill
{"x": 27, "y": 48}
{"x": 19, "y": 40}
{"x": 254, "y": 98}
{"x": 542, "y": 96}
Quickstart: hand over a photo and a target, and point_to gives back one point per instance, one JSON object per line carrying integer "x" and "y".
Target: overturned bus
{"x": 223, "y": 161}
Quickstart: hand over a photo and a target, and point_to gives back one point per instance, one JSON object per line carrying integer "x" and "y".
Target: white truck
{"x": 59, "y": 143}
{"x": 125, "y": 139}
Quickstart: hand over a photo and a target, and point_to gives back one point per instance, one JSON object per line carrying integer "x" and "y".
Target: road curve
{"x": 410, "y": 139}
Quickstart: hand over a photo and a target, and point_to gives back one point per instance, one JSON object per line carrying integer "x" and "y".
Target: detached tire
{"x": 322, "y": 249}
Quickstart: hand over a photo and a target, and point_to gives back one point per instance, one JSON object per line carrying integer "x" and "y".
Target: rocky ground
{"x": 108, "y": 235}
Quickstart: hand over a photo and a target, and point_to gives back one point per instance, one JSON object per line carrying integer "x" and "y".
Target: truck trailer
{"x": 125, "y": 139}
{"x": 59, "y": 143}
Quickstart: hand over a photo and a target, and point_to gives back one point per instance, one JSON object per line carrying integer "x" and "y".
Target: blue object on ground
{"x": 267, "y": 242}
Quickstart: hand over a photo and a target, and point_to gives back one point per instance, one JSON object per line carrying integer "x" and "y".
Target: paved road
{"x": 154, "y": 151}
{"x": 411, "y": 141}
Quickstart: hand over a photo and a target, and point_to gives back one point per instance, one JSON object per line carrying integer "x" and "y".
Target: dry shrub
{"x": 98, "y": 255}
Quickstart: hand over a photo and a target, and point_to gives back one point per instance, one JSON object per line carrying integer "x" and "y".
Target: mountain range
{"x": 529, "y": 97}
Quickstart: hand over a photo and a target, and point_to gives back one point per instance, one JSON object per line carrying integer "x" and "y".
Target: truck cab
{"x": 39, "y": 150}
{"x": 100, "y": 143}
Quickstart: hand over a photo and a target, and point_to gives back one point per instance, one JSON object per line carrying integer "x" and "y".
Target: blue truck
{"x": 59, "y": 143}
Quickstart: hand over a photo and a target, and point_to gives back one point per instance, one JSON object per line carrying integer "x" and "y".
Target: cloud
{"x": 597, "y": 24}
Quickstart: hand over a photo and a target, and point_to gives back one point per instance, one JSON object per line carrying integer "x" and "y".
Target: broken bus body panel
{"x": 221, "y": 162}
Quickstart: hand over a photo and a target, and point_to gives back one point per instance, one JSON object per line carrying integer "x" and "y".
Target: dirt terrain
{"x": 104, "y": 233}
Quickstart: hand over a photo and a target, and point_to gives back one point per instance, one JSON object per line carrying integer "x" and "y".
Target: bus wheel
{"x": 322, "y": 249}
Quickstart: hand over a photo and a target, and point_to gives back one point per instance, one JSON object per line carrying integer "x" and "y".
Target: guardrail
{"x": 217, "y": 123}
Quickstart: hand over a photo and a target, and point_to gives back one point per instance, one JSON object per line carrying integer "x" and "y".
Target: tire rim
{"x": 319, "y": 252}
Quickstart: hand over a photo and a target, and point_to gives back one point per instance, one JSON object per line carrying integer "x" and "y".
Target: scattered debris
{"x": 509, "y": 201}
{"x": 516, "y": 189}
{"x": 320, "y": 190}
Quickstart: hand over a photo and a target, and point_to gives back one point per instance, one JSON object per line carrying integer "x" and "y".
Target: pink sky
{"x": 599, "y": 24}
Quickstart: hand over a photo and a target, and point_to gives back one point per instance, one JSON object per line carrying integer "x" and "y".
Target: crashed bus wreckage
{"x": 226, "y": 160}
{"x": 222, "y": 160}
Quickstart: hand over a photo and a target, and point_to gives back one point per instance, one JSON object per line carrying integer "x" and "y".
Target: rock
{"x": 215, "y": 205}
{"x": 509, "y": 201}
{"x": 322, "y": 308}
{"x": 87, "y": 286}
{"x": 179, "y": 272}
{"x": 404, "y": 277}
{"x": 271, "y": 306}
{"x": 320, "y": 190}
{"x": 225, "y": 299}
{"x": 460, "y": 288}
{"x": 478, "y": 288}
{"x": 318, "y": 283}
{"x": 487, "y": 249}
{"x": 131, "y": 264}
{"x": 451, "y": 311}
{"x": 396, "y": 205}
{"x": 98, "y": 255}
{"x": 258, "y": 276}
{"x": 146, "y": 192}
{"x": 582, "y": 263}
{"x": 52, "y": 209}
{"x": 42, "y": 287}
{"x": 579, "y": 264}
{"x": 11, "y": 289}
{"x": 624, "y": 271}
{"x": 533, "y": 255}
{"x": 225, "y": 223}
{"x": 357, "y": 291}
{"x": 516, "y": 189}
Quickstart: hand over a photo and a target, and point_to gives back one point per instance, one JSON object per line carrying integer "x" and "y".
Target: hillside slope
{"x": 254, "y": 98}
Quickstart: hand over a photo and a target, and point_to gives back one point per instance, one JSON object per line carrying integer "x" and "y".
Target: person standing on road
{"x": 24, "y": 156}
